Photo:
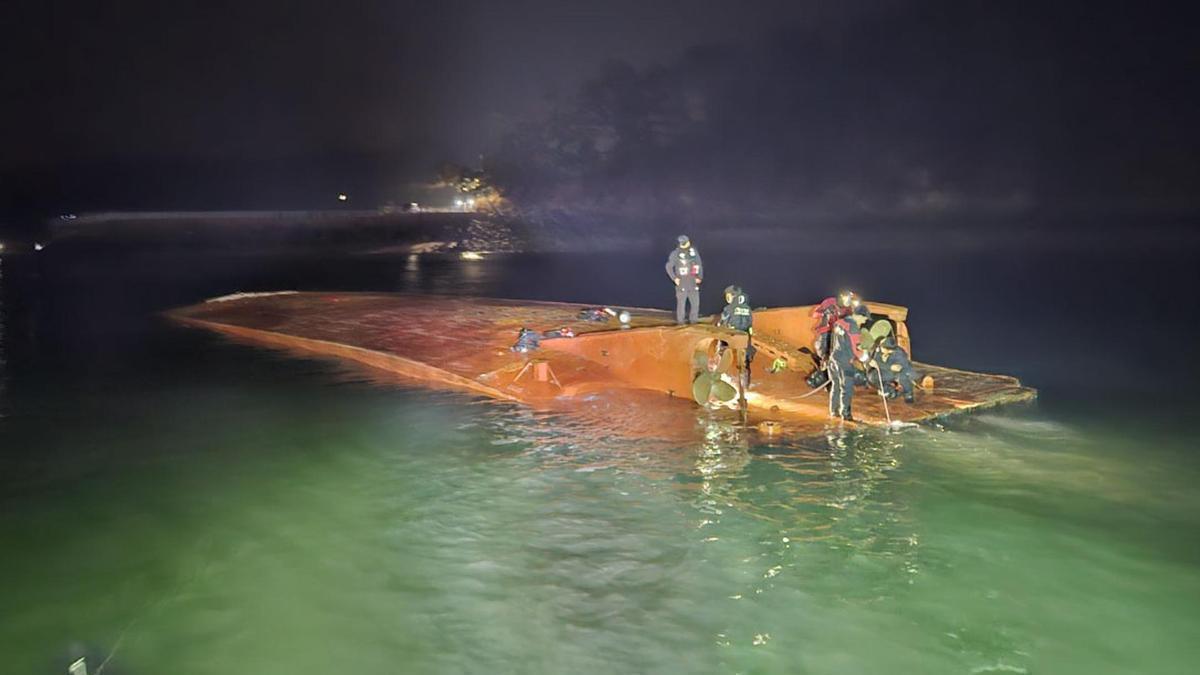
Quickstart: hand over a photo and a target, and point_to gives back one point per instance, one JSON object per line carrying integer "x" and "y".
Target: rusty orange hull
{"x": 637, "y": 378}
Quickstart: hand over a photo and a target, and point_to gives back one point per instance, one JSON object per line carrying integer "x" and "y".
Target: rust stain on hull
{"x": 637, "y": 378}
{"x": 390, "y": 362}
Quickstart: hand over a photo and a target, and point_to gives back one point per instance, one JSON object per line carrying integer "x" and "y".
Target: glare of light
{"x": 458, "y": 203}
{"x": 1, "y": 247}
{"x": 471, "y": 255}
{"x": 342, "y": 197}
{"x": 38, "y": 246}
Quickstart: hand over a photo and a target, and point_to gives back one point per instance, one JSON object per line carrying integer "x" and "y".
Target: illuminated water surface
{"x": 176, "y": 503}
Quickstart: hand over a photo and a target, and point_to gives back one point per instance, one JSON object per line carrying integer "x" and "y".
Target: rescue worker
{"x": 824, "y": 316}
{"x": 844, "y": 352}
{"x": 737, "y": 315}
{"x": 890, "y": 369}
{"x": 687, "y": 272}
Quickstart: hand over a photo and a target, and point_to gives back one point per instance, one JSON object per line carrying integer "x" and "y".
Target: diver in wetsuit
{"x": 824, "y": 316}
{"x": 687, "y": 272}
{"x": 737, "y": 315}
{"x": 844, "y": 351}
{"x": 890, "y": 369}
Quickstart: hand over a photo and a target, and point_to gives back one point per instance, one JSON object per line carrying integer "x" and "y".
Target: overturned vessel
{"x": 639, "y": 372}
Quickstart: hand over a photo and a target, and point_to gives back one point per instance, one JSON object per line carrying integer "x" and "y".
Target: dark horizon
{"x": 783, "y": 112}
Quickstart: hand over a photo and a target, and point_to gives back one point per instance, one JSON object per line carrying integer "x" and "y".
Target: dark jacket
{"x": 684, "y": 265}
{"x": 737, "y": 315}
{"x": 844, "y": 345}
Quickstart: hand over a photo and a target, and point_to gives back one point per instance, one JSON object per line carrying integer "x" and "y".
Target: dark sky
{"x": 259, "y": 79}
{"x": 374, "y": 93}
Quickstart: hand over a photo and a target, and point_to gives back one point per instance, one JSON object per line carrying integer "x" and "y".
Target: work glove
{"x": 676, "y": 280}
{"x": 698, "y": 281}
{"x": 863, "y": 357}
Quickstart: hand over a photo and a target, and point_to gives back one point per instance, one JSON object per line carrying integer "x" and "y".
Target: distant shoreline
{"x": 337, "y": 230}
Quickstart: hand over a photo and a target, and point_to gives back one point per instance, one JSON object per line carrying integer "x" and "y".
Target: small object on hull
{"x": 770, "y": 427}
{"x": 530, "y": 340}
{"x": 541, "y": 372}
{"x": 527, "y": 341}
{"x": 596, "y": 314}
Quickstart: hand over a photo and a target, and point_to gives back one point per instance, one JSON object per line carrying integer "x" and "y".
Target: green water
{"x": 172, "y": 503}
{"x": 353, "y": 529}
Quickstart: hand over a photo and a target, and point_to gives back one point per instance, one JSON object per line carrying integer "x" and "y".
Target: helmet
{"x": 860, "y": 314}
{"x": 731, "y": 292}
{"x": 683, "y": 240}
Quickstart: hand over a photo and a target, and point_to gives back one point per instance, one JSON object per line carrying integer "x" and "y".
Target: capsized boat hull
{"x": 638, "y": 377}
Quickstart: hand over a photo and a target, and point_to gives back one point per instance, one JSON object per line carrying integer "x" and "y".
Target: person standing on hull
{"x": 844, "y": 350}
{"x": 824, "y": 316}
{"x": 737, "y": 315}
{"x": 687, "y": 272}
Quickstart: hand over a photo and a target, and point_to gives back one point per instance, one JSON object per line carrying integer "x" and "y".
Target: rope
{"x": 883, "y": 396}
{"x": 116, "y": 646}
{"x": 827, "y": 383}
{"x": 147, "y": 609}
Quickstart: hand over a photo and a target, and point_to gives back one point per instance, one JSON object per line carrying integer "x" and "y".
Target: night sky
{"x": 775, "y": 107}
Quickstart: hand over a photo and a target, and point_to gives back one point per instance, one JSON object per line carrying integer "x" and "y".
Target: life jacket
{"x": 846, "y": 332}
{"x": 738, "y": 315}
{"x": 825, "y": 314}
{"x": 686, "y": 262}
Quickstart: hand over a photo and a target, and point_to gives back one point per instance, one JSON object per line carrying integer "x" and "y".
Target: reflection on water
{"x": 190, "y": 505}
{"x": 280, "y": 519}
